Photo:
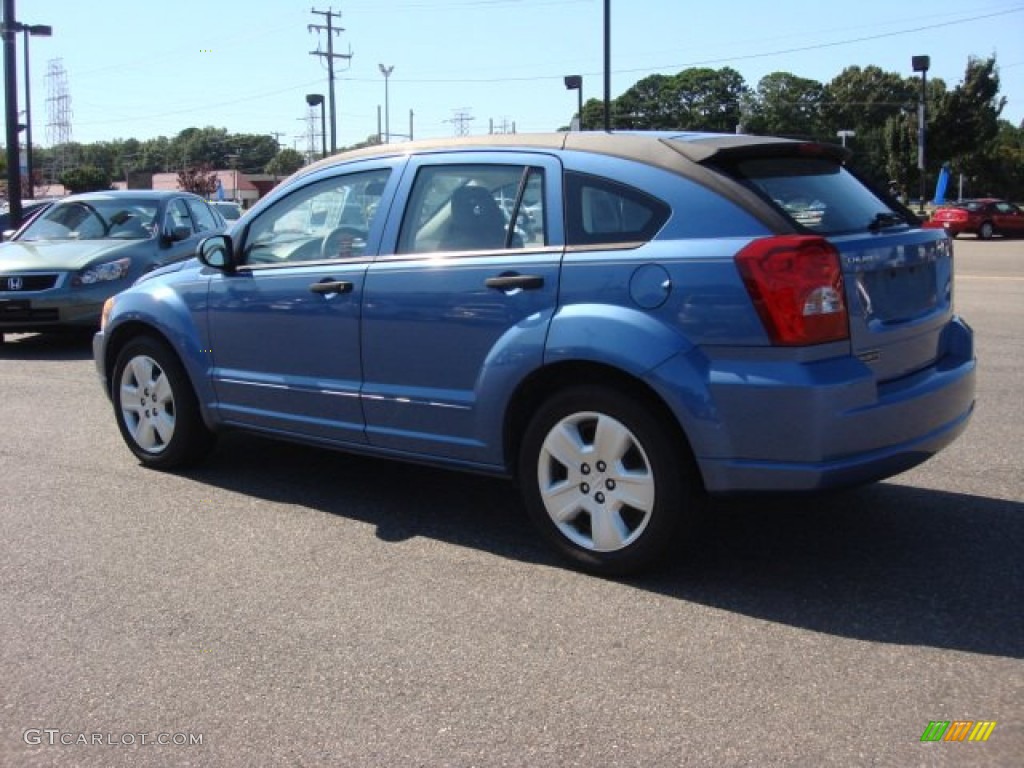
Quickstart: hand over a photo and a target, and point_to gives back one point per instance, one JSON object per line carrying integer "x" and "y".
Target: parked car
{"x": 669, "y": 324}
{"x": 984, "y": 217}
{"x": 58, "y": 269}
{"x": 231, "y": 211}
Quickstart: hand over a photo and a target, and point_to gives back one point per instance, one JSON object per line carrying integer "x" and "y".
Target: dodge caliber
{"x": 623, "y": 323}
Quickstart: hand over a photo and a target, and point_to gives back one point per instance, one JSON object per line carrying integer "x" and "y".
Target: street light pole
{"x": 607, "y": 65}
{"x": 35, "y": 30}
{"x": 921, "y": 64}
{"x": 11, "y": 95}
{"x": 386, "y": 71}
{"x": 575, "y": 83}
{"x": 312, "y": 99}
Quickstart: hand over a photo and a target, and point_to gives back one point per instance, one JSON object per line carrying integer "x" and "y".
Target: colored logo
{"x": 958, "y": 730}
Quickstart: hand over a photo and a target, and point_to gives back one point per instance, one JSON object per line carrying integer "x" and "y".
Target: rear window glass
{"x": 599, "y": 211}
{"x": 816, "y": 193}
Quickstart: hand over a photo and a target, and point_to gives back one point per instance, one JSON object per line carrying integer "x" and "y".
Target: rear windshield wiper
{"x": 885, "y": 219}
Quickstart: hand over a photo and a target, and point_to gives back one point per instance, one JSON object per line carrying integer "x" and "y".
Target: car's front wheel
{"x": 156, "y": 407}
{"x": 606, "y": 481}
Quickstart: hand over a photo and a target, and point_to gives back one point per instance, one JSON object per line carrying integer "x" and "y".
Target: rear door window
{"x": 474, "y": 207}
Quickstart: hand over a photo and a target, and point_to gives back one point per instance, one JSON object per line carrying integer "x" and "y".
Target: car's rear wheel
{"x": 156, "y": 407}
{"x": 986, "y": 230}
{"x": 607, "y": 483}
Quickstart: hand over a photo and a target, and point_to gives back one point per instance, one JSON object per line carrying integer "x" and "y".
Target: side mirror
{"x": 217, "y": 252}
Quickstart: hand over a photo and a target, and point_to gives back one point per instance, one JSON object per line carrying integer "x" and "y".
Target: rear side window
{"x": 599, "y": 210}
{"x": 474, "y": 208}
{"x": 817, "y": 193}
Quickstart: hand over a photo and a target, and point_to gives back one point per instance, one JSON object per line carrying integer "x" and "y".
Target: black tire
{"x": 986, "y": 230}
{"x": 620, "y": 501}
{"x": 164, "y": 428}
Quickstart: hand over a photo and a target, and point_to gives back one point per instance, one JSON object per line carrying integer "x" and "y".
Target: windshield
{"x": 818, "y": 194}
{"x": 95, "y": 220}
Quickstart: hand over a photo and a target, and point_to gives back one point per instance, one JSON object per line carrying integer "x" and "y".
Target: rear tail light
{"x": 796, "y": 284}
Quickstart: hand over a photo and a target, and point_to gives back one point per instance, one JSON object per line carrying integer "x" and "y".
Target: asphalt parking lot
{"x": 284, "y": 606}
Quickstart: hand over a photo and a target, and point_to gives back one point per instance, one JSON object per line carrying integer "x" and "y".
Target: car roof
{"x": 133, "y": 194}
{"x": 665, "y": 149}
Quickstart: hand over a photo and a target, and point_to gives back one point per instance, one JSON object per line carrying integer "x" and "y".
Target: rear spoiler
{"x": 719, "y": 148}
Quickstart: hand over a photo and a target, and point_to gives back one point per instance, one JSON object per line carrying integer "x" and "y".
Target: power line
{"x": 727, "y": 59}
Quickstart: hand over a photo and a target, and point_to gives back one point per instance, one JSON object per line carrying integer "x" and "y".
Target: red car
{"x": 985, "y": 217}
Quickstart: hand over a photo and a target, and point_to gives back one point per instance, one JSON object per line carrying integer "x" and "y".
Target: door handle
{"x": 511, "y": 282}
{"x": 331, "y": 286}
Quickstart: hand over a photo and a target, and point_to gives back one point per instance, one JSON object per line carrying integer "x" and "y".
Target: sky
{"x": 145, "y": 69}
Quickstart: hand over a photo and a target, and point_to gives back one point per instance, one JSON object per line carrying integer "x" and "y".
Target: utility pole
{"x": 329, "y": 15}
{"x": 607, "y": 65}
{"x": 11, "y": 94}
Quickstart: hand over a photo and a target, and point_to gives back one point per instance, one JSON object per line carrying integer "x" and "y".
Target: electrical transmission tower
{"x": 505, "y": 126}
{"x": 314, "y": 138}
{"x": 329, "y": 16}
{"x": 58, "y": 123}
{"x": 460, "y": 119}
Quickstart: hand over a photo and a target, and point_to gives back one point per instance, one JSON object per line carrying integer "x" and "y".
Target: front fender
{"x": 176, "y": 315}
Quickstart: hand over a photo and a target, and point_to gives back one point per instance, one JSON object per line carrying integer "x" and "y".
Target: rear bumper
{"x": 743, "y": 476}
{"x": 802, "y": 427}
{"x": 953, "y": 228}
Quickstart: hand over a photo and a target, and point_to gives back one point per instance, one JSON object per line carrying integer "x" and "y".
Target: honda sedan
{"x": 60, "y": 267}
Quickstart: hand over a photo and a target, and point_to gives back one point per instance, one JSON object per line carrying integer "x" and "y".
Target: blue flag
{"x": 941, "y": 184}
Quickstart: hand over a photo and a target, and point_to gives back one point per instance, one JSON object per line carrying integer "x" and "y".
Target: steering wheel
{"x": 342, "y": 242}
{"x": 92, "y": 210}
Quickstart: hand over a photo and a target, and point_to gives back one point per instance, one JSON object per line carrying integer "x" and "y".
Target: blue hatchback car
{"x": 624, "y": 323}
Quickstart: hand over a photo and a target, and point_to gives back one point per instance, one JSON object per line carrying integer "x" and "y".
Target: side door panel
{"x": 284, "y": 329}
{"x": 449, "y": 329}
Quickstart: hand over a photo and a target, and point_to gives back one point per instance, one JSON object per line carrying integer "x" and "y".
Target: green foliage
{"x": 785, "y": 105}
{"x": 285, "y": 163}
{"x": 85, "y": 178}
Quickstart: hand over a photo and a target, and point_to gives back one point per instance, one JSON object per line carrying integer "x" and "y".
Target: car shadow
{"x": 885, "y": 563}
{"x": 70, "y": 345}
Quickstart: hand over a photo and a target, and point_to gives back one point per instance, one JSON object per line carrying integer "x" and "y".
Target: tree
{"x": 198, "y": 179}
{"x": 85, "y": 178}
{"x": 862, "y": 100}
{"x": 785, "y": 105}
{"x": 966, "y": 123}
{"x": 1007, "y": 162}
{"x": 697, "y": 99}
{"x": 708, "y": 99}
{"x": 285, "y": 163}
{"x": 651, "y": 104}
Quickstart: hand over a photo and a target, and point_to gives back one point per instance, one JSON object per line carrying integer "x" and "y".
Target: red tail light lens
{"x": 796, "y": 283}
